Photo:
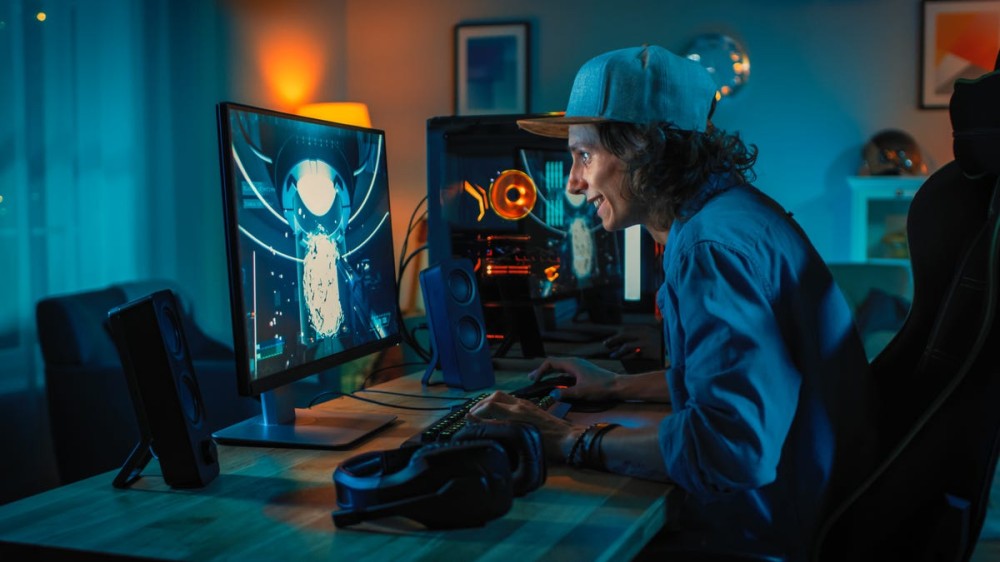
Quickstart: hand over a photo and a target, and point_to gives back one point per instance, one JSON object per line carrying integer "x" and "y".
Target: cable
{"x": 337, "y": 393}
{"x": 410, "y": 257}
{"x": 404, "y": 260}
{"x": 410, "y": 338}
{"x": 386, "y": 368}
{"x": 410, "y": 226}
{"x": 411, "y": 395}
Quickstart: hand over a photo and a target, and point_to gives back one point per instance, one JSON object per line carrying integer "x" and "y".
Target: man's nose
{"x": 575, "y": 183}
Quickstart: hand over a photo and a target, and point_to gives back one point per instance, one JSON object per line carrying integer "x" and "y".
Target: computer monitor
{"x": 497, "y": 196}
{"x": 311, "y": 265}
{"x": 574, "y": 251}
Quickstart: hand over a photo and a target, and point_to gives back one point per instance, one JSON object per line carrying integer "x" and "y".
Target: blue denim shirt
{"x": 768, "y": 378}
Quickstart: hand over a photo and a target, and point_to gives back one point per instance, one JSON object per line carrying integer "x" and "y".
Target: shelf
{"x": 879, "y": 205}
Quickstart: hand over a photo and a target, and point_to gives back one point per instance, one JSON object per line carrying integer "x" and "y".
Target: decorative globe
{"x": 724, "y": 58}
{"x": 892, "y": 152}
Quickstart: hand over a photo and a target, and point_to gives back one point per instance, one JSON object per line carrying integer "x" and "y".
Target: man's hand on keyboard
{"x": 500, "y": 406}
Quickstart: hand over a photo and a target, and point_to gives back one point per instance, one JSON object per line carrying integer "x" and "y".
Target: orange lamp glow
{"x": 291, "y": 66}
{"x": 350, "y": 113}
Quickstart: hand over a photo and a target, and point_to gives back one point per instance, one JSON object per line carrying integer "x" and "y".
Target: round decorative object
{"x": 724, "y": 58}
{"x": 513, "y": 195}
{"x": 892, "y": 152}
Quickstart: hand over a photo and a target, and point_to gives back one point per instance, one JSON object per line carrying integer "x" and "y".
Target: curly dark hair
{"x": 665, "y": 166}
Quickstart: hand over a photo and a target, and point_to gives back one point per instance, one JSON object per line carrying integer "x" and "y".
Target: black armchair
{"x": 939, "y": 377}
{"x": 91, "y": 415}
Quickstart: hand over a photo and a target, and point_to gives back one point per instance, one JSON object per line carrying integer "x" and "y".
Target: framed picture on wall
{"x": 491, "y": 68}
{"x": 960, "y": 39}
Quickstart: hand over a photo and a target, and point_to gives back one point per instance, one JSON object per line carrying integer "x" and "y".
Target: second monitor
{"x": 497, "y": 196}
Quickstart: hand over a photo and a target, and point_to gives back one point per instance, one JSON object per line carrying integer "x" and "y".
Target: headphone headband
{"x": 441, "y": 485}
{"x": 464, "y": 482}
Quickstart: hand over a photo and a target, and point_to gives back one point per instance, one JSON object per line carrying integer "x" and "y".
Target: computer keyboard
{"x": 447, "y": 425}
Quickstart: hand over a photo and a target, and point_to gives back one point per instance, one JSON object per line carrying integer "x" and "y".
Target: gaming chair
{"x": 939, "y": 378}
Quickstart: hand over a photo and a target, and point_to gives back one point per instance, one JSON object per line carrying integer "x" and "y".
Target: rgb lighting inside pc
{"x": 521, "y": 221}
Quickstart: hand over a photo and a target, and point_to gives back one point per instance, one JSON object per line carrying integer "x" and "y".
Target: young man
{"x": 767, "y": 381}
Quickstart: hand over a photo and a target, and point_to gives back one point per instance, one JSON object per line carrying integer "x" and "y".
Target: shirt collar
{"x": 715, "y": 185}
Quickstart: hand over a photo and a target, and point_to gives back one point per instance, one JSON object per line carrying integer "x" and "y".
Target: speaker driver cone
{"x": 461, "y": 286}
{"x": 470, "y": 333}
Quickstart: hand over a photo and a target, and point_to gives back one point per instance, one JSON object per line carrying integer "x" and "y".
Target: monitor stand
{"x": 281, "y": 424}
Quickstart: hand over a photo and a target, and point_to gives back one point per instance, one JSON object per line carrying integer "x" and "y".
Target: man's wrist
{"x": 618, "y": 389}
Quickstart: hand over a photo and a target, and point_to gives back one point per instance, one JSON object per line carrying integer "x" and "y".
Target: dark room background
{"x": 108, "y": 149}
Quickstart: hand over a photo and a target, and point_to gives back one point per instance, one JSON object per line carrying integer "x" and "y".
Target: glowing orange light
{"x": 40, "y": 16}
{"x": 349, "y": 112}
{"x": 513, "y": 195}
{"x": 479, "y": 194}
{"x": 500, "y": 269}
{"x": 552, "y": 272}
{"x": 291, "y": 64}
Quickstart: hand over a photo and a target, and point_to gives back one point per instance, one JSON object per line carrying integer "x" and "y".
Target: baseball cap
{"x": 642, "y": 85}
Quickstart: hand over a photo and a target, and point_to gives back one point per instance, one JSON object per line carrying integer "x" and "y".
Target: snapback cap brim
{"x": 555, "y": 127}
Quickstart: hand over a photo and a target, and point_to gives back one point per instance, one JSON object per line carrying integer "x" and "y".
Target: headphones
{"x": 463, "y": 482}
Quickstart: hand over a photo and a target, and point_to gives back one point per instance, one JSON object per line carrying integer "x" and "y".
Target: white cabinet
{"x": 879, "y": 205}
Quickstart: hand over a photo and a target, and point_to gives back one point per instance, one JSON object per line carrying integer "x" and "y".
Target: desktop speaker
{"x": 455, "y": 319}
{"x": 168, "y": 404}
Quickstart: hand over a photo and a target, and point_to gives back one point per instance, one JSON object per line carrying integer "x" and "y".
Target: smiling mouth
{"x": 596, "y": 201}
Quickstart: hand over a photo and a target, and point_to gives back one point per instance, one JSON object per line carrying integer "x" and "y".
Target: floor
{"x": 988, "y": 549}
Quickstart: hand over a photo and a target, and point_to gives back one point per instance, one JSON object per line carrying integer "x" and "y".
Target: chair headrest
{"x": 975, "y": 120}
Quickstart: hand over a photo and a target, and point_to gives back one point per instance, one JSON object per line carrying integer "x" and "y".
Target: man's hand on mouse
{"x": 631, "y": 341}
{"x": 592, "y": 382}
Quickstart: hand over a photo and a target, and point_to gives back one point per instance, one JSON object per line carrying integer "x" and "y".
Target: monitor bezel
{"x": 247, "y": 385}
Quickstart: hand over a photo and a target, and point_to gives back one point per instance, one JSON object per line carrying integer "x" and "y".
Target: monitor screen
{"x": 497, "y": 195}
{"x": 309, "y": 245}
{"x": 574, "y": 250}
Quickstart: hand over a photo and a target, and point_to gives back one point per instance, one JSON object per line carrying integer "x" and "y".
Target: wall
{"x": 826, "y": 75}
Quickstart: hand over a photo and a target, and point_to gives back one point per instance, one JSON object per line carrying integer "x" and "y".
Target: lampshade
{"x": 348, "y": 112}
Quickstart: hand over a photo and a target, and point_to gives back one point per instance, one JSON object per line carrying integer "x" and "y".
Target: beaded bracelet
{"x": 593, "y": 456}
{"x": 571, "y": 457}
{"x": 586, "y": 449}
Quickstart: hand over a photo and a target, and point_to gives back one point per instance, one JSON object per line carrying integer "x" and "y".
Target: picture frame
{"x": 491, "y": 68}
{"x": 959, "y": 39}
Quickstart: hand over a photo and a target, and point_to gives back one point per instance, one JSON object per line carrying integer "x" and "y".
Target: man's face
{"x": 599, "y": 175}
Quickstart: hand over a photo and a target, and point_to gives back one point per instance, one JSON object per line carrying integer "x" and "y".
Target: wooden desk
{"x": 275, "y": 504}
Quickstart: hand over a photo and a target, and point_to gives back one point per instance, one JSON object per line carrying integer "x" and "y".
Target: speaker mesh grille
{"x": 461, "y": 286}
{"x": 170, "y": 325}
{"x": 470, "y": 333}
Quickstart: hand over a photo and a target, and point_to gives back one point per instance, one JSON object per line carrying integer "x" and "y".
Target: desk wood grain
{"x": 275, "y": 504}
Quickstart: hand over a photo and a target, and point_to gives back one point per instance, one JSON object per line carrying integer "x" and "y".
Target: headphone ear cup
{"x": 521, "y": 442}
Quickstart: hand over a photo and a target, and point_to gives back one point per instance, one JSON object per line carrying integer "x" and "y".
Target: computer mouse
{"x": 546, "y": 385}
